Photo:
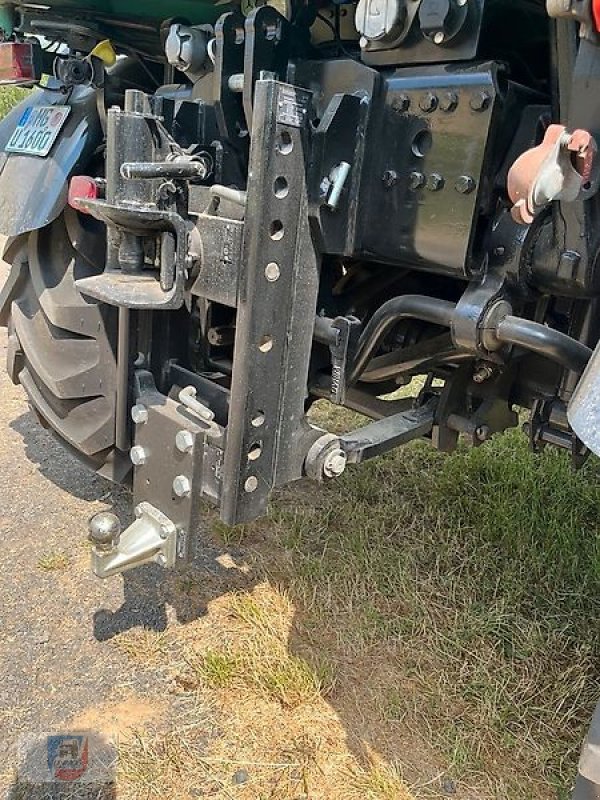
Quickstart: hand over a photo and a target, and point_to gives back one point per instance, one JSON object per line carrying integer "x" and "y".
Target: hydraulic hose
{"x": 545, "y": 341}
{"x": 410, "y": 306}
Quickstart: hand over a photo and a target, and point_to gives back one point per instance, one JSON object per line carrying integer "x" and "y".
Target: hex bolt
{"x": 401, "y": 103}
{"x": 389, "y": 178}
{"x": 184, "y": 441}
{"x": 139, "y": 414}
{"x": 449, "y": 102}
{"x": 104, "y": 530}
{"x": 480, "y": 101}
{"x": 465, "y": 184}
{"x": 435, "y": 182}
{"x": 483, "y": 373}
{"x": 334, "y": 463}
{"x": 428, "y": 102}
{"x": 138, "y": 455}
{"x": 182, "y": 486}
{"x": 416, "y": 180}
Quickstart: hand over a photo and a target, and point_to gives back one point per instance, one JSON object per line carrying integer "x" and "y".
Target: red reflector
{"x": 82, "y": 188}
{"x": 20, "y": 62}
{"x": 596, "y": 12}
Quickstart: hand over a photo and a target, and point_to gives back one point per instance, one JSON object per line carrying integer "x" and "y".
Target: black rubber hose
{"x": 545, "y": 341}
{"x": 410, "y": 306}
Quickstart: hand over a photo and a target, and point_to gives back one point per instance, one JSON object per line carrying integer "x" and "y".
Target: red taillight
{"x": 20, "y": 62}
{"x": 596, "y": 12}
{"x": 82, "y": 188}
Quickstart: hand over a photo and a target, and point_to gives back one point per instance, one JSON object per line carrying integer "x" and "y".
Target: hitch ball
{"x": 104, "y": 530}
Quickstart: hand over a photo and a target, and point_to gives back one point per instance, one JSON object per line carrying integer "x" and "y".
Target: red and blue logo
{"x": 68, "y": 757}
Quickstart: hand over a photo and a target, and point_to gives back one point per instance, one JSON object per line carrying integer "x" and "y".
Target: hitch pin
{"x": 187, "y": 396}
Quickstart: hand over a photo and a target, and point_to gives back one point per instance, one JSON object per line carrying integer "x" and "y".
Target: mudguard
{"x": 33, "y": 190}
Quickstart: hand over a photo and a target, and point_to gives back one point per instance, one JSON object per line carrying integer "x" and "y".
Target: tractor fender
{"x": 34, "y": 190}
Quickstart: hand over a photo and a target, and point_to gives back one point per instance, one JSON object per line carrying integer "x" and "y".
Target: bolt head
{"x": 439, "y": 37}
{"x": 138, "y": 455}
{"x": 389, "y": 178}
{"x": 184, "y": 441}
{"x": 480, "y": 101}
{"x": 449, "y": 102}
{"x": 435, "y": 182}
{"x": 139, "y": 414}
{"x": 428, "y": 102}
{"x": 104, "y": 530}
{"x": 416, "y": 180}
{"x": 401, "y": 103}
{"x": 182, "y": 486}
{"x": 335, "y": 463}
{"x": 465, "y": 184}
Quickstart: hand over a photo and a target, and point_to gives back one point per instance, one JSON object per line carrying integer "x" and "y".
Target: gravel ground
{"x": 59, "y": 668}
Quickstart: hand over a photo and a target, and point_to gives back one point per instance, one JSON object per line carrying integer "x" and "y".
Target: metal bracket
{"x": 152, "y": 538}
{"x": 267, "y": 435}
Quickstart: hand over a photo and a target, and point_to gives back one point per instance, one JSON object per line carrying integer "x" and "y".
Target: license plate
{"x": 37, "y": 130}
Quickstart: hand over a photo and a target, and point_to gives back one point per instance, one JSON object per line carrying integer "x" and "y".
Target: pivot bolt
{"x": 182, "y": 486}
{"x": 480, "y": 101}
{"x": 335, "y": 463}
{"x": 104, "y": 530}
{"x": 428, "y": 102}
{"x": 139, "y": 414}
{"x": 138, "y": 455}
{"x": 184, "y": 441}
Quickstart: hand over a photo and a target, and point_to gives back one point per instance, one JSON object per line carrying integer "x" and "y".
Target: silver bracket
{"x": 152, "y": 538}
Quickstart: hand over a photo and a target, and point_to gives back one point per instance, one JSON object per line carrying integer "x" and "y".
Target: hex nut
{"x": 465, "y": 184}
{"x": 449, "y": 102}
{"x": 480, "y": 101}
{"x": 138, "y": 455}
{"x": 416, "y": 180}
{"x": 184, "y": 441}
{"x": 428, "y": 102}
{"x": 139, "y": 414}
{"x": 182, "y": 486}
{"x": 435, "y": 182}
{"x": 335, "y": 463}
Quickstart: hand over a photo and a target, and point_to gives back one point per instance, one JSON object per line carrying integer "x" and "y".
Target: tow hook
{"x": 152, "y": 538}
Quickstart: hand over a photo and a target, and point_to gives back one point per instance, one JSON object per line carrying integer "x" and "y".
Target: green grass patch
{"x": 10, "y": 96}
{"x": 478, "y": 574}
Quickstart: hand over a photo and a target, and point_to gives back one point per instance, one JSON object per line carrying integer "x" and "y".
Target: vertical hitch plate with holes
{"x": 268, "y": 436}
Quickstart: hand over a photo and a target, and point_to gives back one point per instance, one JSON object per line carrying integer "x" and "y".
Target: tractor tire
{"x": 62, "y": 345}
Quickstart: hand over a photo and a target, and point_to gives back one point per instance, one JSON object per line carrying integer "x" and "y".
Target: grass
{"x": 54, "y": 562}
{"x": 425, "y": 626}
{"x": 9, "y": 97}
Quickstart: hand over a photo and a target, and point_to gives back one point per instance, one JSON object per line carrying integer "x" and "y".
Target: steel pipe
{"x": 426, "y": 309}
{"x": 544, "y": 341}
